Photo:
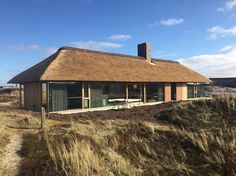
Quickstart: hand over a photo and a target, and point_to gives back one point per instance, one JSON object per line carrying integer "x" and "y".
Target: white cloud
{"x": 217, "y": 32}
{"x": 226, "y": 48}
{"x": 165, "y": 22}
{"x": 152, "y": 25}
{"x": 220, "y": 9}
{"x": 120, "y": 37}
{"x": 229, "y": 5}
{"x": 32, "y": 47}
{"x": 22, "y": 47}
{"x": 96, "y": 45}
{"x": 171, "y": 22}
{"x": 214, "y": 65}
{"x": 80, "y": 44}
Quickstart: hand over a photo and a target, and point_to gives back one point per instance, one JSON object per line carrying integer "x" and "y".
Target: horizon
{"x": 204, "y": 42}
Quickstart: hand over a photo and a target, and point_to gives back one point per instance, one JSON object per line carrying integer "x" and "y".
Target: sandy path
{"x": 10, "y": 161}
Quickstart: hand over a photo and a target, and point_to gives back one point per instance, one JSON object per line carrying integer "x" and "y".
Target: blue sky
{"x": 199, "y": 34}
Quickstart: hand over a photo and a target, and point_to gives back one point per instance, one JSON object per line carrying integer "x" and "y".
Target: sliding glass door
{"x": 58, "y": 97}
{"x": 105, "y": 94}
{"x": 63, "y": 96}
{"x": 135, "y": 92}
{"x": 155, "y": 92}
{"x": 196, "y": 90}
{"x": 74, "y": 96}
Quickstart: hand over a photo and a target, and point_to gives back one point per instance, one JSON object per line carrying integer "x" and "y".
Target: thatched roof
{"x": 73, "y": 64}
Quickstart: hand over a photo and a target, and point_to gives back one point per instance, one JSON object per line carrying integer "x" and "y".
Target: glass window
{"x": 85, "y": 90}
{"x": 63, "y": 96}
{"x": 57, "y": 97}
{"x": 74, "y": 96}
{"x": 135, "y": 92}
{"x": 155, "y": 92}
{"x": 114, "y": 91}
{"x": 105, "y": 94}
{"x": 173, "y": 91}
{"x": 86, "y": 103}
{"x": 96, "y": 94}
{"x": 201, "y": 92}
{"x": 191, "y": 90}
{"x": 196, "y": 90}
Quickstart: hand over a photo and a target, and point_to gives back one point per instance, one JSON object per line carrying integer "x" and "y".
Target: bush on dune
{"x": 211, "y": 113}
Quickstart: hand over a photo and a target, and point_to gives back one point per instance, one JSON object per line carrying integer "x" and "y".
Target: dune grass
{"x": 196, "y": 138}
{"x": 3, "y": 136}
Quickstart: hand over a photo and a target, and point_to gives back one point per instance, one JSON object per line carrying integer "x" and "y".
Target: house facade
{"x": 74, "y": 78}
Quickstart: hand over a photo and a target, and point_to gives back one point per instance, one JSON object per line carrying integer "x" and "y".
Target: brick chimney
{"x": 144, "y": 50}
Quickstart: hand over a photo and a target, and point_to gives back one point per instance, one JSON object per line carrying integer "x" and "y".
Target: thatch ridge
{"x": 98, "y": 52}
{"x": 109, "y": 53}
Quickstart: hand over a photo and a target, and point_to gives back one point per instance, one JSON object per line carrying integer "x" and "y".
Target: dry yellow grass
{"x": 81, "y": 158}
{"x": 3, "y": 137}
{"x": 147, "y": 148}
{"x": 195, "y": 138}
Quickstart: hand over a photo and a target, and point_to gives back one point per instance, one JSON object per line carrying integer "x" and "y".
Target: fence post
{"x": 43, "y": 118}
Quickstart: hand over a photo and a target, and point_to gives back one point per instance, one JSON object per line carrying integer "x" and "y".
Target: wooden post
{"x": 195, "y": 91}
{"x": 127, "y": 92}
{"x": 167, "y": 92}
{"x": 43, "y": 118}
{"x": 89, "y": 95}
{"x": 40, "y": 94}
{"x": 184, "y": 91}
{"x": 47, "y": 97}
{"x": 20, "y": 96}
{"x": 82, "y": 95}
{"x": 179, "y": 95}
{"x": 144, "y": 93}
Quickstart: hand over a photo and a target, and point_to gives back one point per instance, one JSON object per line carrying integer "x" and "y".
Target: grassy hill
{"x": 184, "y": 138}
{"x": 189, "y": 138}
